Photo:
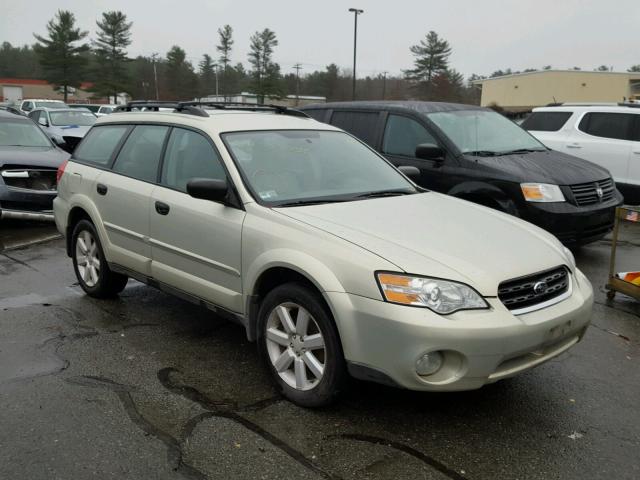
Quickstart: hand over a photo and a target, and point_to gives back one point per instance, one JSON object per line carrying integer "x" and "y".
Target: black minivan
{"x": 479, "y": 155}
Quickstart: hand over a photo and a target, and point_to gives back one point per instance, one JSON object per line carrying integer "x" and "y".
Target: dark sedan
{"x": 29, "y": 161}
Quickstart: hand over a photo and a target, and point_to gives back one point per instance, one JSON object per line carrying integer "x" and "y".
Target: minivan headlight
{"x": 441, "y": 296}
{"x": 541, "y": 192}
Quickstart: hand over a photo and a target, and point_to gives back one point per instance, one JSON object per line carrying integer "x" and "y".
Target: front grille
{"x": 27, "y": 178}
{"x": 533, "y": 289}
{"x": 593, "y": 192}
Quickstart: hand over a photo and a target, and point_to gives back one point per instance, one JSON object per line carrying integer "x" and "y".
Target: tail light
{"x": 60, "y": 171}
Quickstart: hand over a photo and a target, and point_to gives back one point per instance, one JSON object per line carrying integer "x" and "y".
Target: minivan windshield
{"x": 484, "y": 133}
{"x": 71, "y": 117}
{"x": 298, "y": 167}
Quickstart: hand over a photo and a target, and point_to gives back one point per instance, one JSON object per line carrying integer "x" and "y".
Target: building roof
{"x": 397, "y": 105}
{"x": 631, "y": 75}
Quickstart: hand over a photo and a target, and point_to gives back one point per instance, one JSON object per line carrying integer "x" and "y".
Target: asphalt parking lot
{"x": 148, "y": 386}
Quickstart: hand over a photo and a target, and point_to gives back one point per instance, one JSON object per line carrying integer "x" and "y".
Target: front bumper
{"x": 573, "y": 225}
{"x": 26, "y": 204}
{"x": 382, "y": 341}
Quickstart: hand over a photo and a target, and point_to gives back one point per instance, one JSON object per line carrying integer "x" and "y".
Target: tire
{"x": 307, "y": 364}
{"x": 93, "y": 274}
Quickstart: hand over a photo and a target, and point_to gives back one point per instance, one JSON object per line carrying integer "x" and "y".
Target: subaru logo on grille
{"x": 599, "y": 192}
{"x": 540, "y": 287}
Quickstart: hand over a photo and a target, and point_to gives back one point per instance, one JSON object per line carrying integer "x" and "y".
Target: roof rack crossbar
{"x": 194, "y": 107}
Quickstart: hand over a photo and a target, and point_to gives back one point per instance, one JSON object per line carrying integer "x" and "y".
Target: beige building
{"x": 523, "y": 91}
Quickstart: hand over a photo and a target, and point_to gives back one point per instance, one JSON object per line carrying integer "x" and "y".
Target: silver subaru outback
{"x": 332, "y": 260}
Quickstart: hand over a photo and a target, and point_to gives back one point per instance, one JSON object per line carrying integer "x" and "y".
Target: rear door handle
{"x": 102, "y": 189}
{"x": 162, "y": 208}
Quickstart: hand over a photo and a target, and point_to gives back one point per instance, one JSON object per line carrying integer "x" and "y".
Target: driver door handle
{"x": 162, "y": 208}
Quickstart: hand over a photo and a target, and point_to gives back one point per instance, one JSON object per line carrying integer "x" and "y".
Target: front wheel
{"x": 300, "y": 344}
{"x": 94, "y": 275}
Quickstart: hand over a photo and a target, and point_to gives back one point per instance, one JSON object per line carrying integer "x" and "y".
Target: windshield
{"x": 81, "y": 119}
{"x": 483, "y": 132}
{"x": 307, "y": 166}
{"x": 51, "y": 105}
{"x": 22, "y": 134}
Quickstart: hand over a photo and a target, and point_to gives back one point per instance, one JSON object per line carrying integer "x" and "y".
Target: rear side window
{"x": 99, "y": 144}
{"x": 317, "y": 114}
{"x": 360, "y": 124}
{"x": 189, "y": 155}
{"x": 140, "y": 155}
{"x": 403, "y": 134}
{"x": 546, "y": 121}
{"x": 608, "y": 125}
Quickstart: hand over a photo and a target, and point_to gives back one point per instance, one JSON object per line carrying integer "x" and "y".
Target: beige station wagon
{"x": 332, "y": 259}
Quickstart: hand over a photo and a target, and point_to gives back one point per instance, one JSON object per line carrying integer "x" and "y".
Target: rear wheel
{"x": 300, "y": 344}
{"x": 94, "y": 275}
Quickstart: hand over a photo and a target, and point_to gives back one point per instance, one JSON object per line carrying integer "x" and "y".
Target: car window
{"x": 636, "y": 132}
{"x": 34, "y": 115}
{"x": 22, "y": 134}
{"x": 27, "y": 106}
{"x": 607, "y": 125}
{"x": 360, "y": 124}
{"x": 105, "y": 110}
{"x": 72, "y": 117}
{"x": 140, "y": 155}
{"x": 403, "y": 134}
{"x": 546, "y": 121}
{"x": 317, "y": 113}
{"x": 51, "y": 105}
{"x": 99, "y": 144}
{"x": 189, "y": 155}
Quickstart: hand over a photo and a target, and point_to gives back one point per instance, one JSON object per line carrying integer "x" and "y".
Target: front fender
{"x": 475, "y": 189}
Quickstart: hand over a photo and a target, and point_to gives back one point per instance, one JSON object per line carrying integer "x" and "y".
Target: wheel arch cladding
{"x": 477, "y": 192}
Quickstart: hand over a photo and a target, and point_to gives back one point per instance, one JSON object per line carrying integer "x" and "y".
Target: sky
{"x": 485, "y": 35}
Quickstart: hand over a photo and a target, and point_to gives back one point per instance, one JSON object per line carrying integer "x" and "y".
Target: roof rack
{"x": 595, "y": 104}
{"x": 195, "y": 107}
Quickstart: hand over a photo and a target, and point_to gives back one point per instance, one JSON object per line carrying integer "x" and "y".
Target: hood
{"x": 32, "y": 156}
{"x": 435, "y": 235}
{"x": 552, "y": 167}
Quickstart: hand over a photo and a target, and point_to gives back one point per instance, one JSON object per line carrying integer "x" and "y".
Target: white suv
{"x": 608, "y": 135}
{"x": 330, "y": 258}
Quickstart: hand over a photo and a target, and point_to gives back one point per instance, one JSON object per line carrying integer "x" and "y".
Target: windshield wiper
{"x": 384, "y": 193}
{"x": 482, "y": 153}
{"x": 522, "y": 150}
{"x": 298, "y": 203}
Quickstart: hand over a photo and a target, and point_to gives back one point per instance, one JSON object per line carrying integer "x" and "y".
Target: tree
{"x": 60, "y": 53}
{"x": 265, "y": 73}
{"x": 224, "y": 48}
{"x": 431, "y": 58}
{"x": 182, "y": 82}
{"x": 19, "y": 62}
{"x": 634, "y": 68}
{"x": 207, "y": 75}
{"x": 602, "y": 68}
{"x": 114, "y": 36}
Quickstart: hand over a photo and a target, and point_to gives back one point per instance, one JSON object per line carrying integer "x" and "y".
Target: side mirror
{"x": 43, "y": 122}
{"x": 429, "y": 151}
{"x": 412, "y": 172}
{"x": 208, "y": 189}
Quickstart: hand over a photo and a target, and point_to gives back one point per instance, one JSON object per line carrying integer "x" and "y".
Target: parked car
{"x": 98, "y": 109}
{"x": 31, "y": 103}
{"x": 478, "y": 155}
{"x": 607, "y": 135}
{"x": 332, "y": 259}
{"x": 65, "y": 126}
{"x": 28, "y": 164}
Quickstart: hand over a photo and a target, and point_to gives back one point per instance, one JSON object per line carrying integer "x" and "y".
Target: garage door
{"x": 12, "y": 94}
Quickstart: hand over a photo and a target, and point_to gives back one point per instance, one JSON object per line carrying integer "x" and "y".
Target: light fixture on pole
{"x": 356, "y": 12}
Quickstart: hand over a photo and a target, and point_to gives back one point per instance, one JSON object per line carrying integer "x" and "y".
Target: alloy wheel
{"x": 87, "y": 258}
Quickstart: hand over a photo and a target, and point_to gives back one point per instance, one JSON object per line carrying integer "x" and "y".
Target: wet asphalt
{"x": 149, "y": 386}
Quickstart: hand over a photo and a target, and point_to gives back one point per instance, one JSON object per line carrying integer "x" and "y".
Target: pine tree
{"x": 60, "y": 54}
{"x": 207, "y": 75}
{"x": 182, "y": 82}
{"x": 265, "y": 73}
{"x": 431, "y": 58}
{"x": 114, "y": 36}
{"x": 634, "y": 68}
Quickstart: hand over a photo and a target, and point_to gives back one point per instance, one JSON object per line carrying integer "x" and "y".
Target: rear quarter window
{"x": 546, "y": 121}
{"x": 317, "y": 114}
{"x": 99, "y": 145}
{"x": 361, "y": 124}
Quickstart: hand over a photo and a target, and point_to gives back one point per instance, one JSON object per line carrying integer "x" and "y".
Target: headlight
{"x": 570, "y": 258}
{"x": 441, "y": 296}
{"x": 541, "y": 192}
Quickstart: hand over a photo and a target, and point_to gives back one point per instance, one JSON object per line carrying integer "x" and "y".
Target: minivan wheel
{"x": 93, "y": 273}
{"x": 300, "y": 345}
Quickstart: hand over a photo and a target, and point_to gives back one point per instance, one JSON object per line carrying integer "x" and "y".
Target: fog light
{"x": 429, "y": 363}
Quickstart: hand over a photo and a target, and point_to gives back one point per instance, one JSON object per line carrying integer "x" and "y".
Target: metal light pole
{"x": 215, "y": 69}
{"x": 384, "y": 84}
{"x": 155, "y": 74}
{"x": 356, "y": 12}
{"x": 297, "y": 68}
